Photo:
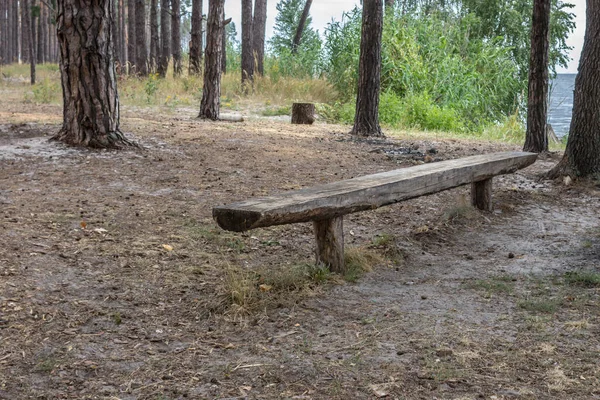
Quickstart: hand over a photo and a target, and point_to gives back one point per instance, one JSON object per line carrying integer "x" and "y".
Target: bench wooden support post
{"x": 329, "y": 235}
{"x": 481, "y": 194}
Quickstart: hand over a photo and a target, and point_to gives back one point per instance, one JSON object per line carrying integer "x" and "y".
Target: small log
{"x": 481, "y": 194}
{"x": 329, "y": 234}
{"x": 303, "y": 113}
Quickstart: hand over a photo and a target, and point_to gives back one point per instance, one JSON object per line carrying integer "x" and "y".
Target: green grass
{"x": 502, "y": 284}
{"x": 540, "y": 306}
{"x": 582, "y": 278}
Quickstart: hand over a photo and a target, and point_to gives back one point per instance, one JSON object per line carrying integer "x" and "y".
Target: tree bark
{"x": 582, "y": 155}
{"x": 131, "y": 47}
{"x": 258, "y": 34}
{"x": 24, "y": 33}
{"x": 28, "y": 25}
{"x": 154, "y": 40}
{"x": 40, "y": 34}
{"x": 366, "y": 119}
{"x": 90, "y": 98}
{"x": 165, "y": 38}
{"x": 211, "y": 92}
{"x": 116, "y": 34}
{"x": 300, "y": 27}
{"x": 536, "y": 139}
{"x": 196, "y": 39}
{"x": 176, "y": 34}
{"x": 141, "y": 52}
{"x": 224, "y": 47}
{"x": 122, "y": 35}
{"x": 3, "y": 32}
{"x": 47, "y": 32}
{"x": 247, "y": 57}
{"x": 11, "y": 32}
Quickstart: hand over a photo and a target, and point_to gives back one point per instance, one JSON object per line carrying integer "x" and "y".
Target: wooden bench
{"x": 326, "y": 204}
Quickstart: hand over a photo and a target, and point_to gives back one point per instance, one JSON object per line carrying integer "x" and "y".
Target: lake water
{"x": 561, "y": 103}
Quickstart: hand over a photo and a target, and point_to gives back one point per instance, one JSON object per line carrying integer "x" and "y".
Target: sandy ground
{"x": 115, "y": 283}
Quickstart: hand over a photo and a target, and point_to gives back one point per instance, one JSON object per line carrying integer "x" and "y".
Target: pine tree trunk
{"x": 24, "y": 34}
{"x": 141, "y": 52}
{"x": 258, "y": 34}
{"x": 11, "y": 31}
{"x": 28, "y": 25}
{"x": 211, "y": 93}
{"x": 3, "y": 32}
{"x": 47, "y": 33}
{"x": 165, "y": 38}
{"x": 90, "y": 99}
{"x": 366, "y": 119}
{"x": 536, "y": 139}
{"x": 300, "y": 27}
{"x": 122, "y": 35}
{"x": 154, "y": 39}
{"x": 582, "y": 155}
{"x": 247, "y": 56}
{"x": 116, "y": 34}
{"x": 131, "y": 47}
{"x": 176, "y": 35}
{"x": 224, "y": 47}
{"x": 40, "y": 35}
{"x": 196, "y": 39}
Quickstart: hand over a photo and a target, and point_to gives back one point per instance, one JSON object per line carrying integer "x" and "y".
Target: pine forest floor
{"x": 115, "y": 283}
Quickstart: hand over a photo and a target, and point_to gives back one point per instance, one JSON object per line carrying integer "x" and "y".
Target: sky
{"x": 322, "y": 11}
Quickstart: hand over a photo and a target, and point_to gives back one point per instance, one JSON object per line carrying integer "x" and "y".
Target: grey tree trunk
{"x": 196, "y": 39}
{"x": 247, "y": 56}
{"x": 11, "y": 32}
{"x": 131, "y": 56}
{"x": 366, "y": 119}
{"x": 28, "y": 26}
{"x": 122, "y": 35}
{"x": 165, "y": 38}
{"x": 300, "y": 27}
{"x": 176, "y": 34}
{"x": 536, "y": 139}
{"x": 141, "y": 52}
{"x": 154, "y": 39}
{"x": 582, "y": 155}
{"x": 224, "y": 47}
{"x": 40, "y": 35}
{"x": 116, "y": 33}
{"x": 258, "y": 34}
{"x": 4, "y": 41}
{"x": 24, "y": 33}
{"x": 90, "y": 99}
{"x": 211, "y": 91}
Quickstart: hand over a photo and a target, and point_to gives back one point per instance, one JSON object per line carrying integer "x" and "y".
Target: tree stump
{"x": 303, "y": 113}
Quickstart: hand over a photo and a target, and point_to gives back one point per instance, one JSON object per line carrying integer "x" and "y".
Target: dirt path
{"x": 116, "y": 284}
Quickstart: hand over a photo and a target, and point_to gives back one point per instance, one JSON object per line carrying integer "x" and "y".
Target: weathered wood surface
{"x": 366, "y": 192}
{"x": 303, "y": 113}
{"x": 329, "y": 235}
{"x": 481, "y": 194}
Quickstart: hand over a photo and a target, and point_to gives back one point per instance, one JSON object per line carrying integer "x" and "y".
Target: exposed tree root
{"x": 114, "y": 140}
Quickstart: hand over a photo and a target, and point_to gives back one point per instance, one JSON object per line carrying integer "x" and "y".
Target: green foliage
{"x": 151, "y": 86}
{"x": 307, "y": 60}
{"x": 46, "y": 91}
{"x": 446, "y": 78}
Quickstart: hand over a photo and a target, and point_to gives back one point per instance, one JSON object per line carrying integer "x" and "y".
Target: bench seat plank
{"x": 366, "y": 192}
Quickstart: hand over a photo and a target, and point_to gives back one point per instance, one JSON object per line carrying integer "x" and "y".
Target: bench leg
{"x": 329, "y": 234}
{"x": 481, "y": 194}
